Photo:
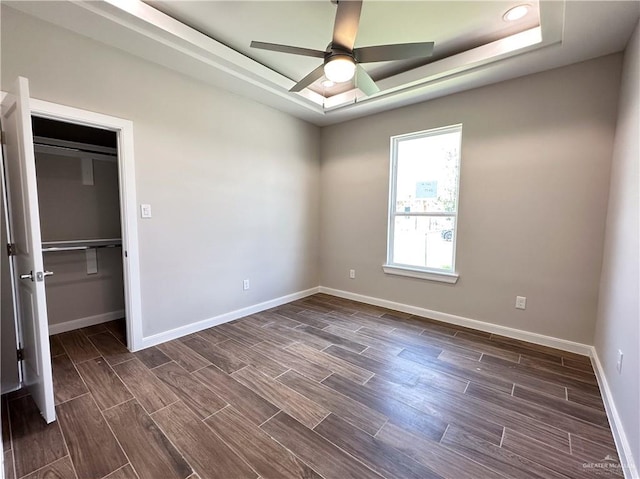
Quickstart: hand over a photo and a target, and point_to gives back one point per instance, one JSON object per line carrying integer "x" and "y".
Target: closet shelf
{"x": 76, "y": 245}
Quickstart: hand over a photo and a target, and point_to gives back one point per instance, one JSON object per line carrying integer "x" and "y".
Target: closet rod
{"x": 73, "y": 152}
{"x": 76, "y": 248}
{"x": 74, "y": 245}
{"x": 74, "y": 145}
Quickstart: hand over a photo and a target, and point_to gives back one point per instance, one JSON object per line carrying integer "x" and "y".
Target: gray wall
{"x": 536, "y": 153}
{"x": 234, "y": 187}
{"x": 618, "y": 322}
{"x": 70, "y": 210}
{"x": 233, "y": 184}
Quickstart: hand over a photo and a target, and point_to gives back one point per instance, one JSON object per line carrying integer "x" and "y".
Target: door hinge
{"x": 20, "y": 354}
{"x": 11, "y": 249}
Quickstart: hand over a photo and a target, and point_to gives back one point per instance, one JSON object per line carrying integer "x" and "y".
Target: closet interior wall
{"x": 78, "y": 203}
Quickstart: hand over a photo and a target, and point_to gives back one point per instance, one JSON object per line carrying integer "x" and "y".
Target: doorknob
{"x": 40, "y": 275}
{"x": 27, "y": 276}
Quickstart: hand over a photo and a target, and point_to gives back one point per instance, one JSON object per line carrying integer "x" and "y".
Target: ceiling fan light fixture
{"x": 516, "y": 13}
{"x": 340, "y": 68}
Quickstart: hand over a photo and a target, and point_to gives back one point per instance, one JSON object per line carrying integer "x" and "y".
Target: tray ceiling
{"x": 474, "y": 45}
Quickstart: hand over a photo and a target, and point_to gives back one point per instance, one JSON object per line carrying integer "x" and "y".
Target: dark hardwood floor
{"x": 319, "y": 388}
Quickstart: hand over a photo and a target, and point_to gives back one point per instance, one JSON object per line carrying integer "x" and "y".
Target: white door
{"x": 24, "y": 221}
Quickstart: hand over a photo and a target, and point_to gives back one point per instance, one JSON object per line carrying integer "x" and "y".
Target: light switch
{"x": 145, "y": 211}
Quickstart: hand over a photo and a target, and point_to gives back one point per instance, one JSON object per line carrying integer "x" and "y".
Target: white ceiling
{"x": 209, "y": 40}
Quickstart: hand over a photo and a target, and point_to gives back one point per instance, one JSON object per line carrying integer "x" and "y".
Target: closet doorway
{"x": 32, "y": 253}
{"x": 79, "y": 204}
{"x": 123, "y": 130}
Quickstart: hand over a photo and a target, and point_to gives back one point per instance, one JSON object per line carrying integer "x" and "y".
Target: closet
{"x": 67, "y": 214}
{"x": 78, "y": 199}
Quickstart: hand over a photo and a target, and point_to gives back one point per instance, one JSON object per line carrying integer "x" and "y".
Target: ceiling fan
{"x": 342, "y": 61}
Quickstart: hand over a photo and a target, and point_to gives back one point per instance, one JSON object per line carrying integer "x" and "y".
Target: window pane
{"x": 427, "y": 173}
{"x": 424, "y": 241}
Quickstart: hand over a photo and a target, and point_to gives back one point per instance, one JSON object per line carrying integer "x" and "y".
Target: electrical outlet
{"x": 245, "y": 285}
{"x": 352, "y": 273}
{"x": 521, "y": 302}
{"x": 619, "y": 362}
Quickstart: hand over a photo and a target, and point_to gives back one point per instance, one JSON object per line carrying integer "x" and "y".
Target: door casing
{"x": 128, "y": 202}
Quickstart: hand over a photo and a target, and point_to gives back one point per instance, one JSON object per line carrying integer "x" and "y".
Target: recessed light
{"x": 328, "y": 83}
{"x": 516, "y": 13}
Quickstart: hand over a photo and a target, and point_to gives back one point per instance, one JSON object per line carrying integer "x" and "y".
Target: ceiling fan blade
{"x": 400, "y": 51}
{"x": 365, "y": 83}
{"x": 309, "y": 79}
{"x": 345, "y": 27}
{"x": 275, "y": 47}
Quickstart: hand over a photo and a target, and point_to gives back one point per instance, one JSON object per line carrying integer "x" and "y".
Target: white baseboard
{"x": 522, "y": 335}
{"x": 159, "y": 338}
{"x": 84, "y": 322}
{"x": 620, "y": 437}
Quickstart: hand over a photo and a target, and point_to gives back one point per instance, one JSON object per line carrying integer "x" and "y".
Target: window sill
{"x": 441, "y": 277}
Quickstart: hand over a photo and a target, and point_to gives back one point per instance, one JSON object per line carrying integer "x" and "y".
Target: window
{"x": 423, "y": 205}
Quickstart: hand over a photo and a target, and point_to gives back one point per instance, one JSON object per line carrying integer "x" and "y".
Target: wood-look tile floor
{"x": 319, "y": 388}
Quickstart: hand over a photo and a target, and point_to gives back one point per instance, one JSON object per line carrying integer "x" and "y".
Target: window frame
{"x": 427, "y": 273}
